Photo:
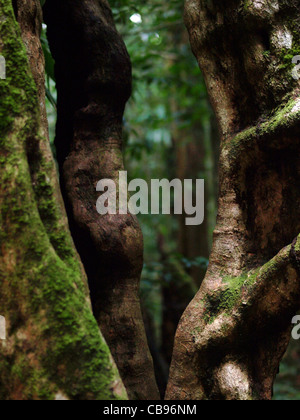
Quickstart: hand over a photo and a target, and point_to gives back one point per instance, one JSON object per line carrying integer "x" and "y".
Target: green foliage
{"x": 287, "y": 385}
{"x": 49, "y": 62}
{"x": 49, "y": 69}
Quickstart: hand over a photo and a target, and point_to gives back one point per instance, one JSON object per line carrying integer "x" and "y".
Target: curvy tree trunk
{"x": 233, "y": 335}
{"x": 93, "y": 74}
{"x": 188, "y": 157}
{"x": 53, "y": 347}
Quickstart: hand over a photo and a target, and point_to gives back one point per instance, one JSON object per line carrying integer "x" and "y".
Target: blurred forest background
{"x": 169, "y": 132}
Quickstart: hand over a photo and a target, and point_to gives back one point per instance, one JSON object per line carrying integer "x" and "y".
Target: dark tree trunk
{"x": 93, "y": 74}
{"x": 233, "y": 335}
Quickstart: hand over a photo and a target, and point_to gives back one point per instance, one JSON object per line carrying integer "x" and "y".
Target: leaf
{"x": 51, "y": 98}
{"x": 49, "y": 62}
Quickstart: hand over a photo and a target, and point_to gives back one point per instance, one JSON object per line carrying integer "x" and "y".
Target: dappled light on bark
{"x": 233, "y": 335}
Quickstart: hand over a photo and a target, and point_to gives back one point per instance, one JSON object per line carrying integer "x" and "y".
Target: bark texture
{"x": 53, "y": 347}
{"x": 233, "y": 335}
{"x": 177, "y": 292}
{"x": 29, "y": 16}
{"x": 93, "y": 74}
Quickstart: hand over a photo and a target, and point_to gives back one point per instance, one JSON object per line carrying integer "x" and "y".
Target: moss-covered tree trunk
{"x": 93, "y": 74}
{"x": 233, "y": 335}
{"x": 53, "y": 348}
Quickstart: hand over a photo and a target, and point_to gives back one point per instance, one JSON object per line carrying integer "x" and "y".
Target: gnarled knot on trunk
{"x": 237, "y": 325}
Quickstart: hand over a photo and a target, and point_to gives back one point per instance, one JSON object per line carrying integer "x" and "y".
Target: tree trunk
{"x": 93, "y": 74}
{"x": 187, "y": 162}
{"x": 53, "y": 348}
{"x": 233, "y": 335}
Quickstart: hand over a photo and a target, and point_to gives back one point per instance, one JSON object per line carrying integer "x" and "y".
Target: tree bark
{"x": 93, "y": 74}
{"x": 233, "y": 335}
{"x": 187, "y": 157}
{"x": 53, "y": 348}
{"x": 177, "y": 293}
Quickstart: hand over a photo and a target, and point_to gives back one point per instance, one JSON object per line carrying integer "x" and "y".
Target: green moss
{"x": 286, "y": 58}
{"x": 267, "y": 54}
{"x": 50, "y": 213}
{"x": 297, "y": 246}
{"x": 21, "y": 86}
{"x": 281, "y": 118}
{"x": 247, "y": 4}
{"x": 286, "y": 55}
{"x": 54, "y": 343}
{"x": 225, "y": 300}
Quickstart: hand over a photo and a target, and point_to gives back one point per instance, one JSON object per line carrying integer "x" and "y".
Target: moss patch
{"x": 225, "y": 300}
{"x": 53, "y": 341}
